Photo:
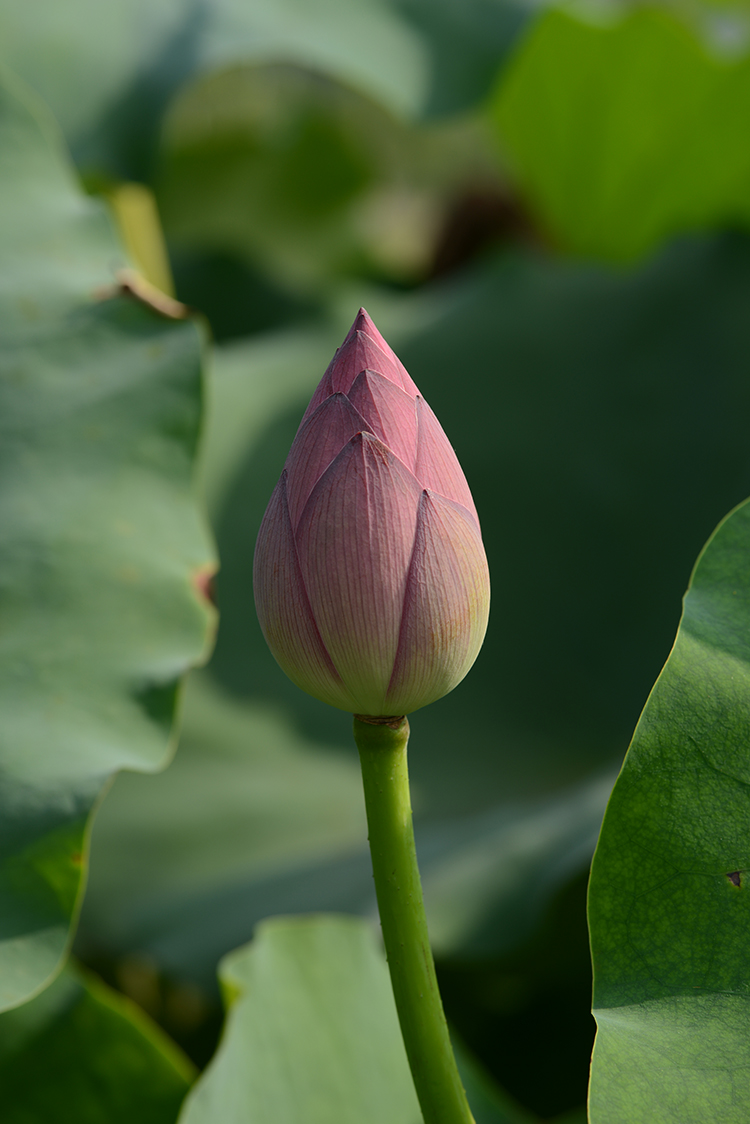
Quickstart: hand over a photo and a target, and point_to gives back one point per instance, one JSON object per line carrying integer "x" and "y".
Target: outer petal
{"x": 318, "y": 442}
{"x": 389, "y": 412}
{"x": 284, "y": 609}
{"x": 323, "y": 390}
{"x": 437, "y": 466}
{"x": 359, "y": 353}
{"x": 446, "y": 606}
{"x": 355, "y": 540}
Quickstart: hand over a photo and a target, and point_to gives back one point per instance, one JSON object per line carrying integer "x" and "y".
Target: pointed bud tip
{"x": 364, "y": 324}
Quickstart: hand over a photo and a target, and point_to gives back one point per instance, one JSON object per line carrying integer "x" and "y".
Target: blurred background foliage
{"x": 546, "y": 213}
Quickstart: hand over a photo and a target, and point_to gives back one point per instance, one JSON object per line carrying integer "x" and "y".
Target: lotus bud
{"x": 371, "y": 581}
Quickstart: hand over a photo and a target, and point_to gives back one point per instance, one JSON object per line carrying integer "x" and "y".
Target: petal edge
{"x": 284, "y": 611}
{"x": 446, "y": 606}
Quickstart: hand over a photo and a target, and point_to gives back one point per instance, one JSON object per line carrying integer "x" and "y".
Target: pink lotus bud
{"x": 371, "y": 581}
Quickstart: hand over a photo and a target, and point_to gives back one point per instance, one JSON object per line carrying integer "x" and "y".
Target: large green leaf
{"x": 80, "y": 1052}
{"x": 625, "y": 132}
{"x": 109, "y": 70}
{"x": 312, "y": 1035}
{"x": 99, "y": 411}
{"x": 668, "y": 905}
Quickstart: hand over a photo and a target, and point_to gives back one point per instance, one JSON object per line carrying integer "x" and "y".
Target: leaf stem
{"x": 382, "y": 752}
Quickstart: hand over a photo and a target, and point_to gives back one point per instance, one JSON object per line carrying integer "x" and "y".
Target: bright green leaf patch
{"x": 99, "y": 410}
{"x": 625, "y": 133}
{"x": 81, "y": 1052}
{"x": 669, "y": 906}
{"x": 312, "y": 1034}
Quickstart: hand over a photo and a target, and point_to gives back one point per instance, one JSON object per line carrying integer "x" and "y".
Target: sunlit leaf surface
{"x": 627, "y": 131}
{"x": 312, "y": 1034}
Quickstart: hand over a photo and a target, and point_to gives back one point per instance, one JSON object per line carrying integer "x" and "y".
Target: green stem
{"x": 382, "y": 752}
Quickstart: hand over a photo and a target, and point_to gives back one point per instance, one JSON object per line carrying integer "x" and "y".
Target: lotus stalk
{"x": 372, "y": 591}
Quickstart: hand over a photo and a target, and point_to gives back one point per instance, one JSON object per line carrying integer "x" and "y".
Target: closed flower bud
{"x": 371, "y": 581}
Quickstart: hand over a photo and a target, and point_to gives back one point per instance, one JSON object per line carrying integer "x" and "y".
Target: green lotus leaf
{"x": 626, "y": 131}
{"x": 668, "y": 904}
{"x": 103, "y": 551}
{"x": 80, "y": 1051}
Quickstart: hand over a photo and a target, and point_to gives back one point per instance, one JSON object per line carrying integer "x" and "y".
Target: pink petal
{"x": 359, "y": 353}
{"x": 364, "y": 348}
{"x": 437, "y": 466}
{"x": 284, "y": 609}
{"x": 389, "y": 412}
{"x": 355, "y": 540}
{"x": 363, "y": 323}
{"x": 323, "y": 390}
{"x": 319, "y": 440}
{"x": 446, "y": 606}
